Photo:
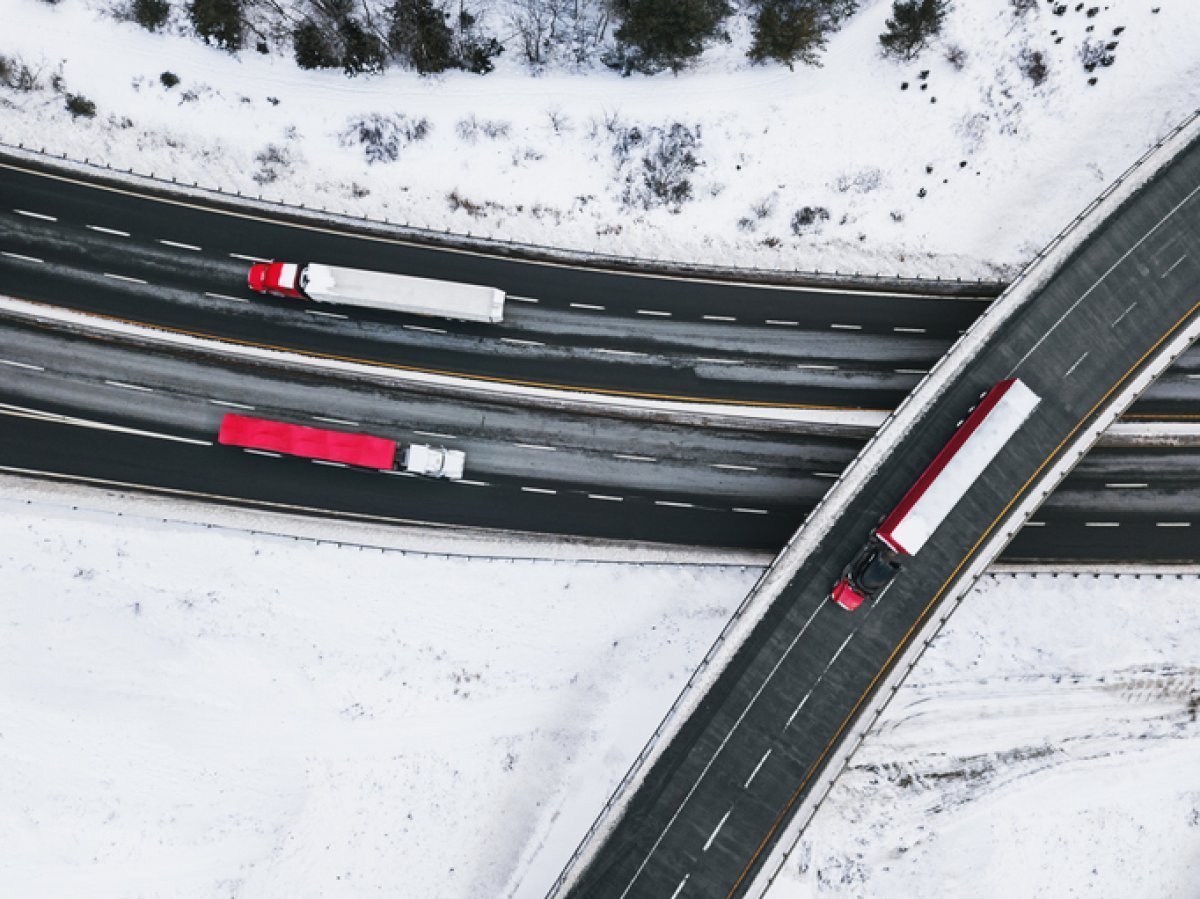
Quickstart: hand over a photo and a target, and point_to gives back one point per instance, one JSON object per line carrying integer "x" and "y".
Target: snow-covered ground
{"x": 198, "y": 711}
{"x": 963, "y": 174}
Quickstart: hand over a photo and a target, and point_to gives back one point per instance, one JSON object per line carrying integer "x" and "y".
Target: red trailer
{"x": 306, "y": 442}
{"x": 1000, "y": 413}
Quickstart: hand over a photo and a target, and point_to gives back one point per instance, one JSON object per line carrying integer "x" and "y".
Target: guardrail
{"x": 864, "y": 281}
{"x": 932, "y": 384}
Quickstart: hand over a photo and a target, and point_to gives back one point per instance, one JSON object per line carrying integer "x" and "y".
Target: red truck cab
{"x": 278, "y": 279}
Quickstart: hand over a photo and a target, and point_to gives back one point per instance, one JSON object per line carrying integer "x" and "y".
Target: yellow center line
{"x": 925, "y": 612}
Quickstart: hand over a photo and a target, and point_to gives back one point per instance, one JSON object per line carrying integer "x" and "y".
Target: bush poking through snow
{"x": 19, "y": 75}
{"x": 168, "y": 79}
{"x": 912, "y": 25}
{"x": 657, "y": 164}
{"x": 1033, "y": 65}
{"x": 1096, "y": 53}
{"x": 273, "y": 160}
{"x": 808, "y": 218}
{"x": 382, "y": 137}
{"x": 80, "y": 106}
{"x": 471, "y": 127}
{"x": 150, "y": 14}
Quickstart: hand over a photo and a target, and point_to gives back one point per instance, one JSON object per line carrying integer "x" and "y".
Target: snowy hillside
{"x": 196, "y": 711}
{"x": 960, "y": 164}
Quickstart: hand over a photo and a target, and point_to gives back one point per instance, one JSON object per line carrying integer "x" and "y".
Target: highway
{"x": 528, "y": 469}
{"x": 718, "y": 796}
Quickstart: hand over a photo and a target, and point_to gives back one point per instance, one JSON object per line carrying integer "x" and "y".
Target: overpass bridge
{"x": 743, "y": 753}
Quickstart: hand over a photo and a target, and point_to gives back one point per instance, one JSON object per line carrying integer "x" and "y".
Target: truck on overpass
{"x": 978, "y": 439}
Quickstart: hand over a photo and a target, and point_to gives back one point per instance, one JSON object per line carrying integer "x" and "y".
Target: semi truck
{"x": 977, "y": 441}
{"x": 361, "y": 450}
{"x": 377, "y": 290}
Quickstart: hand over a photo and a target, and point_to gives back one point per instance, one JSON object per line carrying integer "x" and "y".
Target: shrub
{"x": 807, "y": 218}
{"x": 151, "y": 14}
{"x": 383, "y": 137}
{"x": 1033, "y": 65}
{"x": 658, "y": 34}
{"x": 273, "y": 160}
{"x": 658, "y": 165}
{"x": 218, "y": 22}
{"x": 911, "y": 26}
{"x": 168, "y": 79}
{"x": 1096, "y": 53}
{"x": 80, "y": 106}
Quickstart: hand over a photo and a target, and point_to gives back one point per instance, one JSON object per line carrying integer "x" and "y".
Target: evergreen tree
{"x": 313, "y": 50}
{"x": 151, "y": 14}
{"x": 658, "y": 34}
{"x": 787, "y": 31}
{"x": 219, "y": 22}
{"x": 912, "y": 24}
{"x": 419, "y": 33}
{"x": 362, "y": 51}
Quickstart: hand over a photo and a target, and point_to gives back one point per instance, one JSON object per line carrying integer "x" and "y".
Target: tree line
{"x": 647, "y": 36}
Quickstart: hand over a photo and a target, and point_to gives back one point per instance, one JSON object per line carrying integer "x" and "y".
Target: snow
{"x": 1003, "y": 163}
{"x": 200, "y": 710}
{"x": 1046, "y": 745}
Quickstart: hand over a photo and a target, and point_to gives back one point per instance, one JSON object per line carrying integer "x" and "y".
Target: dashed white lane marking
{"x": 539, "y": 490}
{"x": 103, "y": 230}
{"x": 1194, "y": 376}
{"x": 1070, "y": 370}
{"x": 796, "y": 710}
{"x": 269, "y": 455}
{"x": 783, "y": 322}
{"x": 839, "y": 652}
{"x": 436, "y": 435}
{"x": 247, "y": 258}
{"x": 1172, "y": 524}
{"x": 673, "y": 505}
{"x": 678, "y": 889}
{"x": 398, "y": 473}
{"x": 747, "y": 511}
{"x": 1117, "y": 320}
{"x": 618, "y": 352}
{"x": 654, "y": 312}
{"x": 424, "y": 328}
{"x": 336, "y": 421}
{"x": 716, "y": 830}
{"x": 591, "y": 306}
{"x": 606, "y": 498}
{"x": 35, "y": 215}
{"x": 628, "y": 457}
{"x": 825, "y": 474}
{"x": 469, "y": 483}
{"x": 124, "y": 278}
{"x": 22, "y": 257}
{"x": 329, "y": 463}
{"x": 712, "y": 759}
{"x": 1126, "y": 485}
{"x": 841, "y": 327}
{"x": 28, "y": 365}
{"x": 714, "y": 361}
{"x": 909, "y": 330}
{"x": 523, "y": 299}
{"x": 231, "y": 404}
{"x": 537, "y": 446}
{"x": 815, "y": 366}
{"x": 753, "y": 774}
{"x": 1035, "y": 524}
{"x": 719, "y": 318}
{"x": 222, "y": 296}
{"x": 325, "y": 314}
{"x": 912, "y": 371}
{"x": 1102, "y": 524}
{"x": 128, "y": 386}
{"x": 180, "y": 246}
{"x": 1175, "y": 265}
{"x": 729, "y": 466}
{"x": 520, "y": 342}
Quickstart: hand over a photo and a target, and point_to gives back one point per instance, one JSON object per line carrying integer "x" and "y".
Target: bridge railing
{"x": 847, "y": 486}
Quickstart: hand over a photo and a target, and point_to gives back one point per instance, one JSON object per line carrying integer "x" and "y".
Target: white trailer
{"x": 379, "y": 290}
